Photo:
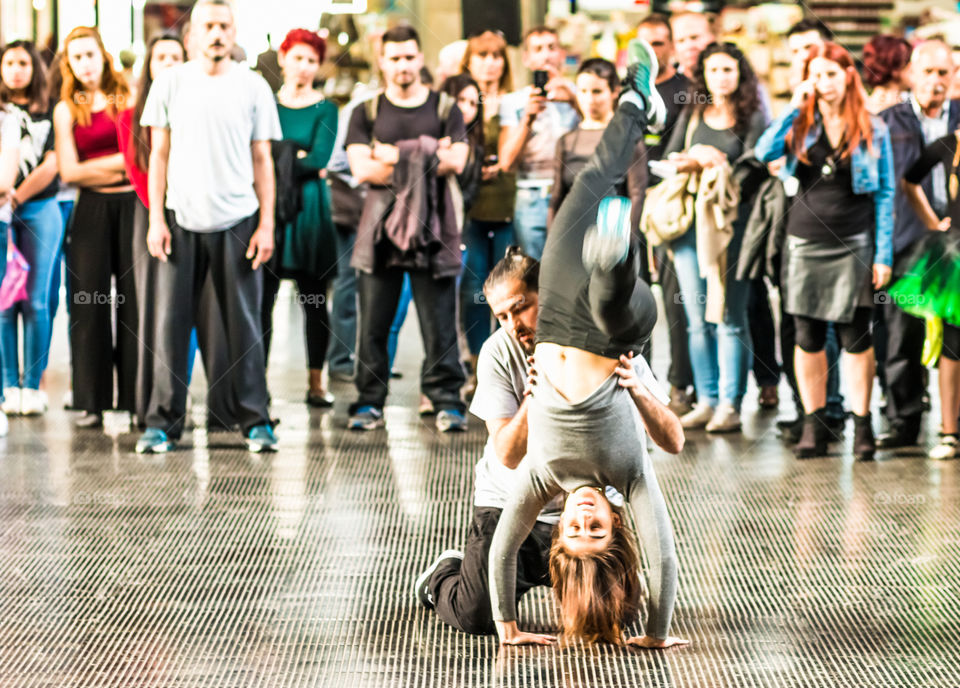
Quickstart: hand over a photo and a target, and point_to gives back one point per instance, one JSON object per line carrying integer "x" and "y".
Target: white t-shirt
{"x": 212, "y": 122}
{"x": 537, "y": 160}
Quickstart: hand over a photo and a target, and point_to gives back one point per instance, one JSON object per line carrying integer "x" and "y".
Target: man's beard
{"x": 218, "y": 57}
{"x": 529, "y": 344}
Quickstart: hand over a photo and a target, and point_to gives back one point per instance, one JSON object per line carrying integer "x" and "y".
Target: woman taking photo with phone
{"x": 839, "y": 238}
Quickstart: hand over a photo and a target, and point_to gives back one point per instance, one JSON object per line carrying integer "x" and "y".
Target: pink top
{"x": 137, "y": 176}
{"x": 97, "y": 139}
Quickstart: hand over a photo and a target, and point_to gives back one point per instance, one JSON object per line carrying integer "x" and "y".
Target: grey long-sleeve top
{"x": 598, "y": 441}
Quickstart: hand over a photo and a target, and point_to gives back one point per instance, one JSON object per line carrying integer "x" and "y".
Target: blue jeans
{"x": 834, "y": 397}
{"x": 530, "y": 220}
{"x": 406, "y": 296}
{"x": 343, "y": 314}
{"x": 38, "y": 232}
{"x": 486, "y": 242}
{"x": 715, "y": 350}
{"x": 66, "y": 209}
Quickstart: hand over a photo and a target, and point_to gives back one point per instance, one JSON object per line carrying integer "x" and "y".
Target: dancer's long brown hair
{"x": 598, "y": 593}
{"x": 855, "y": 114}
{"x": 112, "y": 83}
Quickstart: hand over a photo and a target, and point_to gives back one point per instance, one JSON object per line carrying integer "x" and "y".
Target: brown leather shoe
{"x": 769, "y": 397}
{"x": 679, "y": 402}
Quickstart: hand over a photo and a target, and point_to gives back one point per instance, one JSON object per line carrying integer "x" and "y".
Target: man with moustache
{"x": 926, "y": 116}
{"x": 211, "y": 189}
{"x": 455, "y": 585}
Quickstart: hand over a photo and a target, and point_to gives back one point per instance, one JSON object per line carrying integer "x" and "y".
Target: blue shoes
{"x": 607, "y": 244}
{"x": 261, "y": 438}
{"x": 451, "y": 420}
{"x": 154, "y": 441}
{"x": 366, "y": 418}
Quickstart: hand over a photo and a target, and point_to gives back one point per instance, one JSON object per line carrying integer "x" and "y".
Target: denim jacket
{"x": 871, "y": 174}
{"x": 906, "y": 136}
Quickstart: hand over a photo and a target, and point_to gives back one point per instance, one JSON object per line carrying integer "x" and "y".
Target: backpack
{"x": 445, "y": 103}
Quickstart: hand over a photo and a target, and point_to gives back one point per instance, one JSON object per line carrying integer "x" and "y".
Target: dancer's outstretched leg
{"x": 614, "y": 314}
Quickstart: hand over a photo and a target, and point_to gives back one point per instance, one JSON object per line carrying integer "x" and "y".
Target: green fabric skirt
{"x": 930, "y": 287}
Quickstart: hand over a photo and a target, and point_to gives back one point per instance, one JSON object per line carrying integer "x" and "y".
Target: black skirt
{"x": 828, "y": 281}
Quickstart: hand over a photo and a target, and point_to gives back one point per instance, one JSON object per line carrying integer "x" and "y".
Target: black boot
{"x": 903, "y": 433}
{"x": 814, "y": 437}
{"x": 864, "y": 445}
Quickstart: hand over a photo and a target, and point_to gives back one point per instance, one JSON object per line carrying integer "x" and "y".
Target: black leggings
{"x": 605, "y": 313}
{"x": 951, "y": 342}
{"x": 855, "y": 336}
{"x": 312, "y": 296}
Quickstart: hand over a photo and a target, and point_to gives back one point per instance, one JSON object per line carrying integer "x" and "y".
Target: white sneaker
{"x": 11, "y": 401}
{"x": 949, "y": 448}
{"x": 698, "y": 417}
{"x": 4, "y": 425}
{"x": 725, "y": 419}
{"x": 32, "y": 402}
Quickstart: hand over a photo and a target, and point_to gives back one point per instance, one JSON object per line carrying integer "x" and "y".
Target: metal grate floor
{"x": 212, "y": 567}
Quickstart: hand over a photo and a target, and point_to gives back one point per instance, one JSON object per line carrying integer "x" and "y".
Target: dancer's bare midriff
{"x": 573, "y": 372}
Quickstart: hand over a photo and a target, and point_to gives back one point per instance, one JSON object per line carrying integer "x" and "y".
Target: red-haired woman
{"x": 885, "y": 59}
{"x": 839, "y": 246}
{"x": 307, "y": 251}
{"x": 100, "y": 238}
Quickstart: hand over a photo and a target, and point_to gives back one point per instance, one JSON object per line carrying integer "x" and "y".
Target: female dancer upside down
{"x": 591, "y": 406}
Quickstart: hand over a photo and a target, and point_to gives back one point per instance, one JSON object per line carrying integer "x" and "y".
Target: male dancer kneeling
{"x": 456, "y": 584}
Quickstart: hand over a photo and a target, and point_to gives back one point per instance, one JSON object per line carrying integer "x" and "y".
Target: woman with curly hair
{"x": 839, "y": 243}
{"x": 721, "y": 123}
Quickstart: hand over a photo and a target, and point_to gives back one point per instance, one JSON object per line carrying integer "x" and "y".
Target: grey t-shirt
{"x": 501, "y": 378}
{"x": 212, "y": 122}
{"x": 537, "y": 159}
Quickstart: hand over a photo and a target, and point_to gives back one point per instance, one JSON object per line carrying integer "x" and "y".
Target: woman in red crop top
{"x": 100, "y": 238}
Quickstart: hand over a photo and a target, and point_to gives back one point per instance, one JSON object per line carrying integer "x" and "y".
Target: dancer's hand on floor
{"x": 650, "y": 643}
{"x": 511, "y": 635}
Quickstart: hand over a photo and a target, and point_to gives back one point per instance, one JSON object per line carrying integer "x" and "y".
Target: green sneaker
{"x": 641, "y": 79}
